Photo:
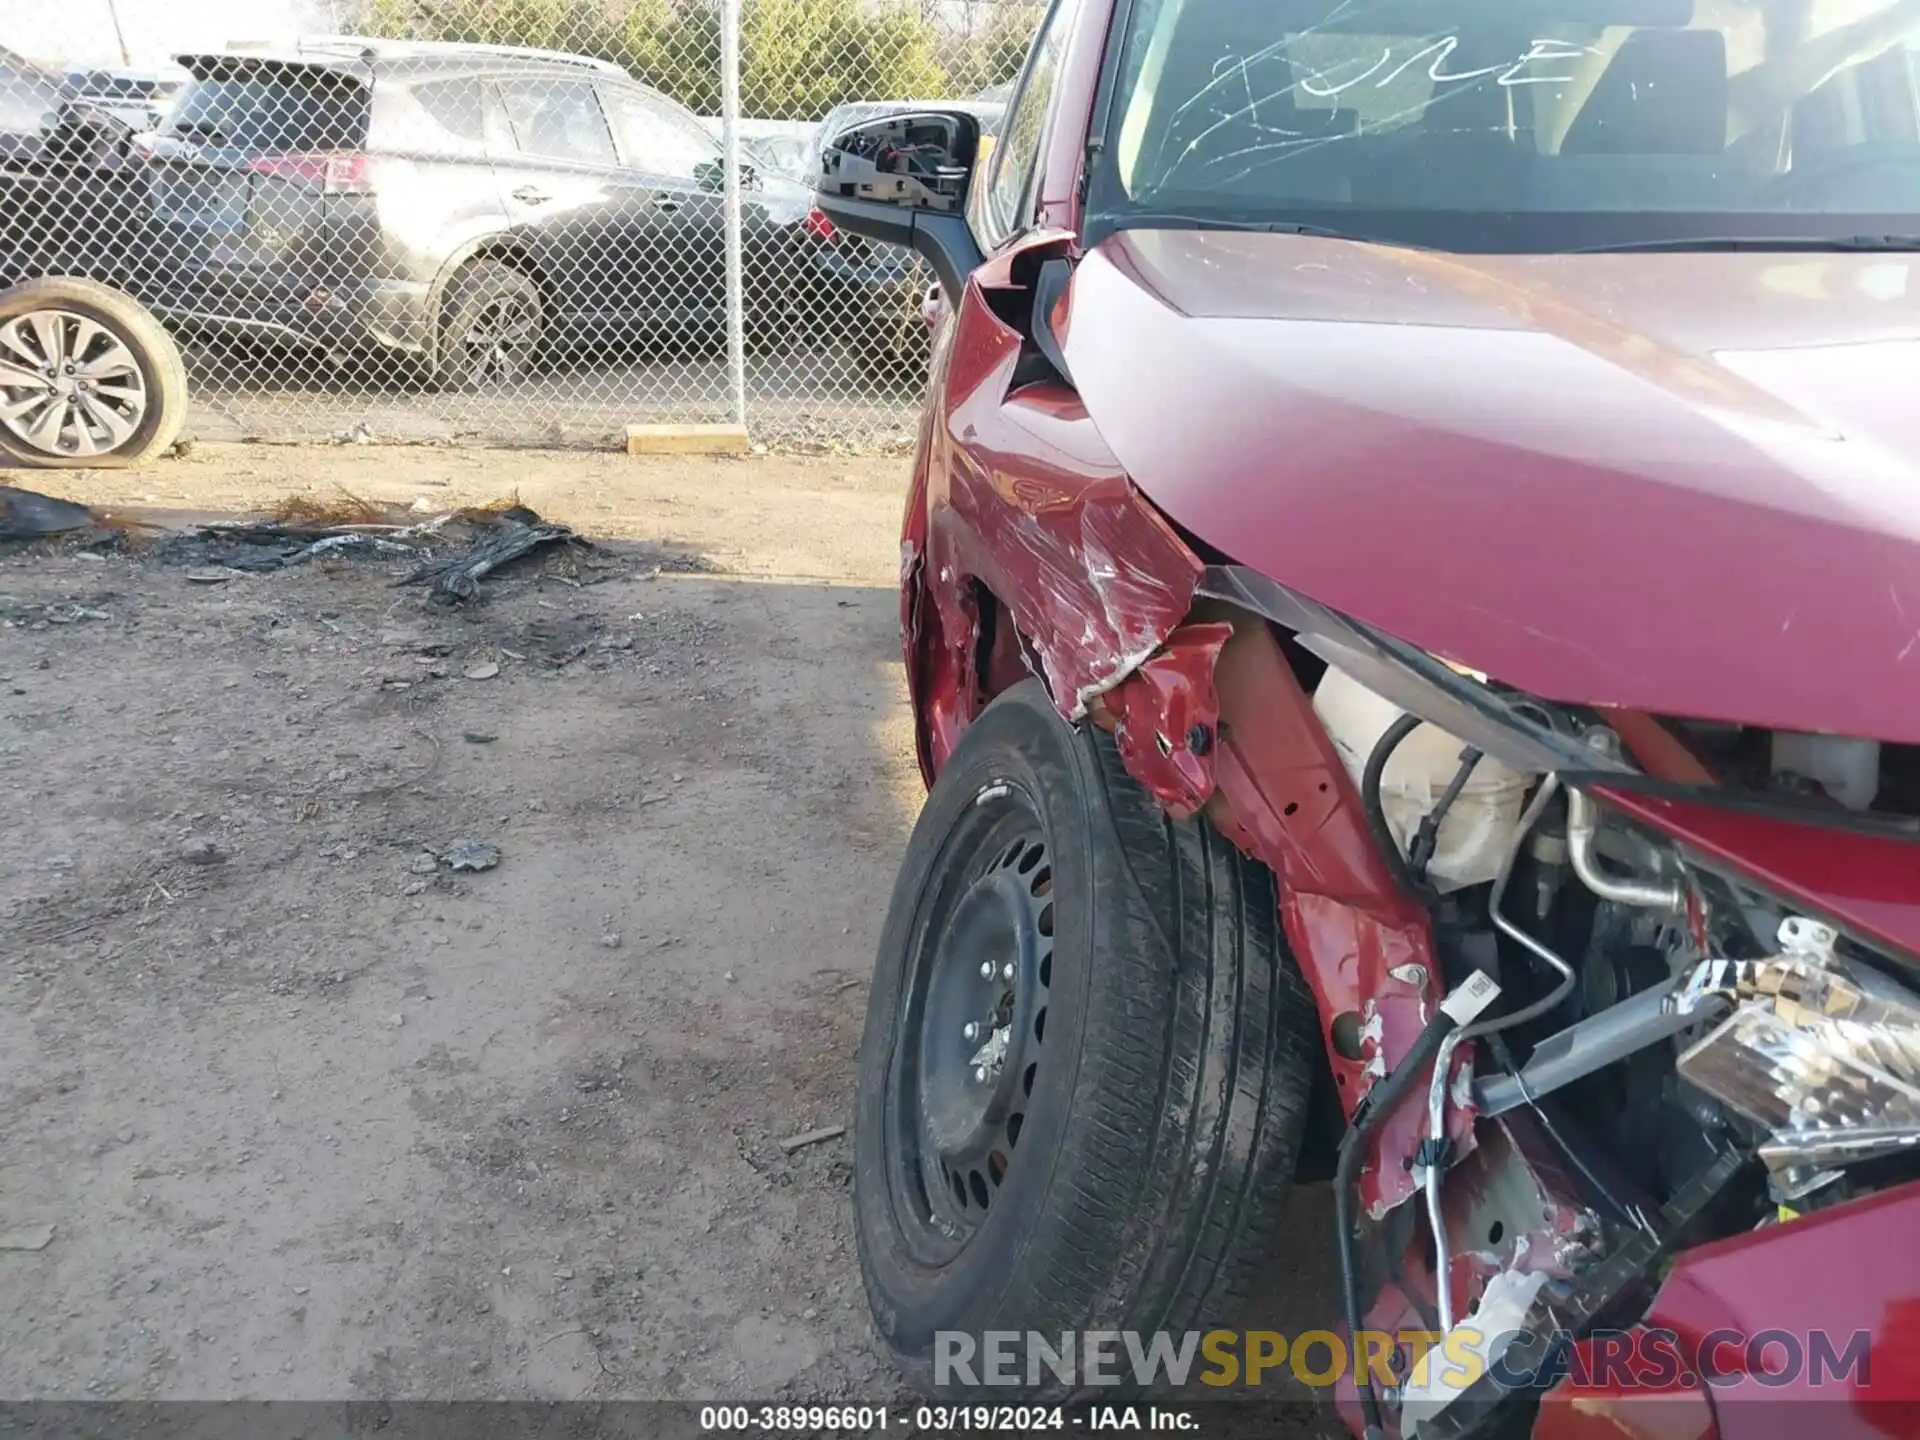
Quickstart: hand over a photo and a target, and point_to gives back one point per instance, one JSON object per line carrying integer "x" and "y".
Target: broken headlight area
{"x": 1670, "y": 1055}
{"x": 1645, "y": 1044}
{"x": 1821, "y": 1054}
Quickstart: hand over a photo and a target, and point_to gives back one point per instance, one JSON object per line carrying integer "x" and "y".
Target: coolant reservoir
{"x": 1479, "y": 828}
{"x": 1848, "y": 770}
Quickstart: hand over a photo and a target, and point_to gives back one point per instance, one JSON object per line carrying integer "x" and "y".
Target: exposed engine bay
{"x": 1650, "y": 1050}
{"x": 1596, "y": 982}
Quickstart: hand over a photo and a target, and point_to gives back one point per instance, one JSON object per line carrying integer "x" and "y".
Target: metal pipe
{"x": 735, "y": 229}
{"x": 119, "y": 34}
{"x": 1593, "y": 1044}
{"x": 1443, "y": 1065}
{"x": 1583, "y": 827}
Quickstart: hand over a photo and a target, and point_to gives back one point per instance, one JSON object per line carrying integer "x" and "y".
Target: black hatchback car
{"x": 469, "y": 206}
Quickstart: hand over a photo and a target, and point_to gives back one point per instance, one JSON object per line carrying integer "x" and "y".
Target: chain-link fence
{"x": 505, "y": 220}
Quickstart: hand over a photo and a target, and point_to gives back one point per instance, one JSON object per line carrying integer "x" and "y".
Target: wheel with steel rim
{"x": 1087, "y": 1061}
{"x": 977, "y": 1009}
{"x": 492, "y": 327}
{"x": 88, "y": 377}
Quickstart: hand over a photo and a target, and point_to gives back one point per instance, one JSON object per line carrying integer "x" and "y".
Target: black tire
{"x": 161, "y": 374}
{"x": 492, "y": 325}
{"x": 1174, "y": 1066}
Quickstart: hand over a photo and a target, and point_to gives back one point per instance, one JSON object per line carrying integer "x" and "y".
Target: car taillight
{"x": 819, "y": 226}
{"x": 337, "y": 173}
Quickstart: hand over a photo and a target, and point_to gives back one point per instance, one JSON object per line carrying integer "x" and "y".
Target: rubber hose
{"x": 1383, "y": 749}
{"x": 1420, "y": 853}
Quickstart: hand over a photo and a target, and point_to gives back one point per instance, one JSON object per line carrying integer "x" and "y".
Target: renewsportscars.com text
{"x": 1319, "y": 1358}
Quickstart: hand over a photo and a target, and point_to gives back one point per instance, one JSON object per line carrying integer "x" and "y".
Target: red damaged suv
{"x": 1411, "y": 596}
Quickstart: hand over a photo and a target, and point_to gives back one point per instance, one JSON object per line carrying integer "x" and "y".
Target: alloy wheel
{"x": 498, "y": 346}
{"x": 69, "y": 386}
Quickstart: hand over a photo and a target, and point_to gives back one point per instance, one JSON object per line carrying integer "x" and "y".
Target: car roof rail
{"x": 381, "y": 48}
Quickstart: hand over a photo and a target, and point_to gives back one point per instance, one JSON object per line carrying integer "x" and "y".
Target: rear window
{"x": 279, "y": 111}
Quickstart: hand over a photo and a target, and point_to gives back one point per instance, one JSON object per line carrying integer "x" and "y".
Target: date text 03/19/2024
{"x": 1009, "y": 1419}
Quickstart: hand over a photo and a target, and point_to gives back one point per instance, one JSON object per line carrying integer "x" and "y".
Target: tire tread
{"x": 1195, "y": 1070}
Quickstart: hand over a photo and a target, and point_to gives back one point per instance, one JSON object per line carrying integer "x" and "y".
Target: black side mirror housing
{"x": 914, "y": 161}
{"x": 903, "y": 180}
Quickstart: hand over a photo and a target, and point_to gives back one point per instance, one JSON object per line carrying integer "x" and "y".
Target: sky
{"x": 82, "y": 32}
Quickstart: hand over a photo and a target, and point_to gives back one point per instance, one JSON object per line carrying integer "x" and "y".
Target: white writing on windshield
{"x": 1544, "y": 52}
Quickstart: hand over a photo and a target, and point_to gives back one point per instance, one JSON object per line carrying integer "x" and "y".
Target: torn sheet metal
{"x": 1094, "y": 579}
{"x": 1017, "y": 495}
{"x": 1284, "y": 796}
{"x": 1165, "y": 716}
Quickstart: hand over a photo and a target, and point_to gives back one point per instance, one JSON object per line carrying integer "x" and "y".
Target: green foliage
{"x": 576, "y": 25}
{"x": 994, "y": 56}
{"x": 675, "y": 49}
{"x": 799, "y": 58}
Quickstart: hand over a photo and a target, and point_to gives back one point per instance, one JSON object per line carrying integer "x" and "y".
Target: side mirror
{"x": 915, "y": 161}
{"x": 712, "y": 175}
{"x": 902, "y": 180}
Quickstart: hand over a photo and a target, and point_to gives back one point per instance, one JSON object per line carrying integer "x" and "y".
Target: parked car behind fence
{"x": 781, "y": 146}
{"x": 70, "y": 196}
{"x": 139, "y": 99}
{"x": 468, "y": 208}
{"x": 484, "y": 215}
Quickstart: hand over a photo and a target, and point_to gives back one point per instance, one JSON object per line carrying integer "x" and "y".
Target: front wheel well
{"x": 963, "y": 649}
{"x": 1003, "y": 656}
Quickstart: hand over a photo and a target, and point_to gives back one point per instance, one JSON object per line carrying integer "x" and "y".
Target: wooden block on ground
{"x": 687, "y": 440}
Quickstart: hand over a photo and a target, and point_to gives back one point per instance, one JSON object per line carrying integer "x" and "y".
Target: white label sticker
{"x": 1474, "y": 994}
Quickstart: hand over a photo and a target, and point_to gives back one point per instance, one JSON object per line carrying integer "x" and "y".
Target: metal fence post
{"x": 730, "y": 148}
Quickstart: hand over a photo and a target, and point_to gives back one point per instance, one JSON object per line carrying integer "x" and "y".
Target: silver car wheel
{"x": 501, "y": 343}
{"x": 69, "y": 386}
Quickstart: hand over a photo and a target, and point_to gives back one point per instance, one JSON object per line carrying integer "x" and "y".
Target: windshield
{"x": 1518, "y": 124}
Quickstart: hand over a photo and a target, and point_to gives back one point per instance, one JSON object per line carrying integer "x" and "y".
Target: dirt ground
{"x": 311, "y": 1116}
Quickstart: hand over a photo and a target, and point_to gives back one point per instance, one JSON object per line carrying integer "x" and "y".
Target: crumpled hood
{"x": 1686, "y": 483}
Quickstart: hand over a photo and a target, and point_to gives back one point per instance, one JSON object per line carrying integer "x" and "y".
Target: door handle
{"x": 531, "y": 195}
{"x": 666, "y": 204}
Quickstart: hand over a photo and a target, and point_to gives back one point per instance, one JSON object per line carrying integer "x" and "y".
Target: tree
{"x": 800, "y": 58}
{"x": 578, "y": 26}
{"x": 676, "y": 49}
{"x": 993, "y": 53}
